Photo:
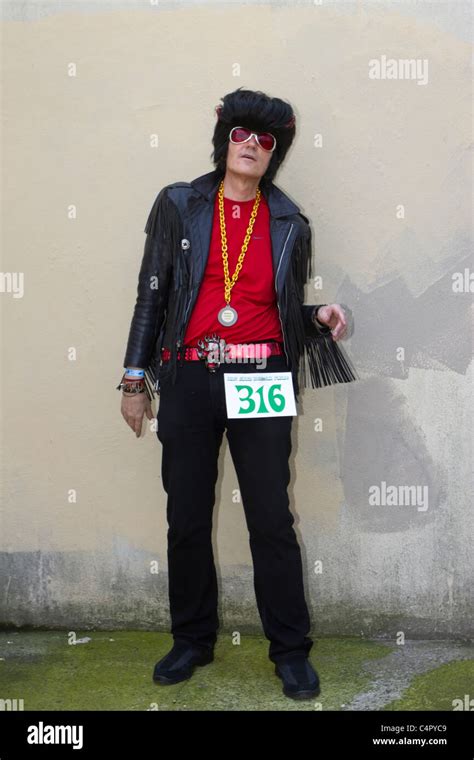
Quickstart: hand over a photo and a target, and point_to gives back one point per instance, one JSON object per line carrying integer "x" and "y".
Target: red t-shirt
{"x": 253, "y": 295}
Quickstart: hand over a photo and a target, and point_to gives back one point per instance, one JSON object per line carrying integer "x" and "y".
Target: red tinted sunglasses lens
{"x": 266, "y": 140}
{"x": 240, "y": 134}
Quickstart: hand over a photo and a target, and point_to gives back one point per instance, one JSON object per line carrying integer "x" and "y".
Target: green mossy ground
{"x": 113, "y": 671}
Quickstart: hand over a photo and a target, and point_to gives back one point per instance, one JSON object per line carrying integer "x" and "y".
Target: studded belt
{"x": 214, "y": 351}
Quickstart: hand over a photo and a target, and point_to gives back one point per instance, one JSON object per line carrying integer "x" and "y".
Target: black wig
{"x": 254, "y": 110}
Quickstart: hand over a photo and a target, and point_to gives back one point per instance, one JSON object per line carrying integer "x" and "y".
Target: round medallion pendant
{"x": 227, "y": 316}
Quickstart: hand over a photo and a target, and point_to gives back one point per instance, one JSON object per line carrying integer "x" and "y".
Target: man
{"x": 221, "y": 291}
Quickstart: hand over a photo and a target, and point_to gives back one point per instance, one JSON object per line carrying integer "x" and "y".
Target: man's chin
{"x": 247, "y": 171}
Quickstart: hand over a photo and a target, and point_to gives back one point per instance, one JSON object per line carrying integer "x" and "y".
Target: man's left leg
{"x": 260, "y": 450}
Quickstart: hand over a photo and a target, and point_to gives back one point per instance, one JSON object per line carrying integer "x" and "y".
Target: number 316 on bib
{"x": 259, "y": 394}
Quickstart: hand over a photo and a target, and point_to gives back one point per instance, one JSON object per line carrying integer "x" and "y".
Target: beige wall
{"x": 83, "y": 141}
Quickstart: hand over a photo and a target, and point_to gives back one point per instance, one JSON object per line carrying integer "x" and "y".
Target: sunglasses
{"x": 239, "y": 135}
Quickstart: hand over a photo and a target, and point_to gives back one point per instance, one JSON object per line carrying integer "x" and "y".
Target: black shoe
{"x": 300, "y": 680}
{"x": 179, "y": 663}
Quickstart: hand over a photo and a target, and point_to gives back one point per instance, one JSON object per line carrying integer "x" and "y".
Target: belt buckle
{"x": 208, "y": 345}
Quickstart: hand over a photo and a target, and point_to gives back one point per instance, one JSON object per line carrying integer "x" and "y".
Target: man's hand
{"x": 134, "y": 406}
{"x": 332, "y": 315}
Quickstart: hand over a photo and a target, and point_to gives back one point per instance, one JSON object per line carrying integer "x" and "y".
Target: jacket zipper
{"x": 278, "y": 303}
{"x": 183, "y": 329}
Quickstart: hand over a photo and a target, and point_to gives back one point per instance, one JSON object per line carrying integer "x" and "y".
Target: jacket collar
{"x": 278, "y": 202}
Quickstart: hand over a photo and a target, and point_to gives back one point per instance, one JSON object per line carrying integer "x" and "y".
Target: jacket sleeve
{"x": 305, "y": 266}
{"x": 153, "y": 284}
{"x": 325, "y": 358}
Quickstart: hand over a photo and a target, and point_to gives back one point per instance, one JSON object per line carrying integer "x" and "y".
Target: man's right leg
{"x": 191, "y": 439}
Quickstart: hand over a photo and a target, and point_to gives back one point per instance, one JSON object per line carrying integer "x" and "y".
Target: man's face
{"x": 248, "y": 158}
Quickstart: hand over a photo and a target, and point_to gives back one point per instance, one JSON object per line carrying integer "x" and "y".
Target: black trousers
{"x": 191, "y": 422}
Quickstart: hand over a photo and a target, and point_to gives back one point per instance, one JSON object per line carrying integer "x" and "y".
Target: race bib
{"x": 259, "y": 394}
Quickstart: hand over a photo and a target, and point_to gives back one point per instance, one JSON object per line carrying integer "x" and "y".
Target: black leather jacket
{"x": 178, "y": 231}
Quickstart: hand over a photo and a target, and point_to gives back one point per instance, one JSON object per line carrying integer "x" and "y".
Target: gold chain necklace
{"x": 228, "y": 315}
